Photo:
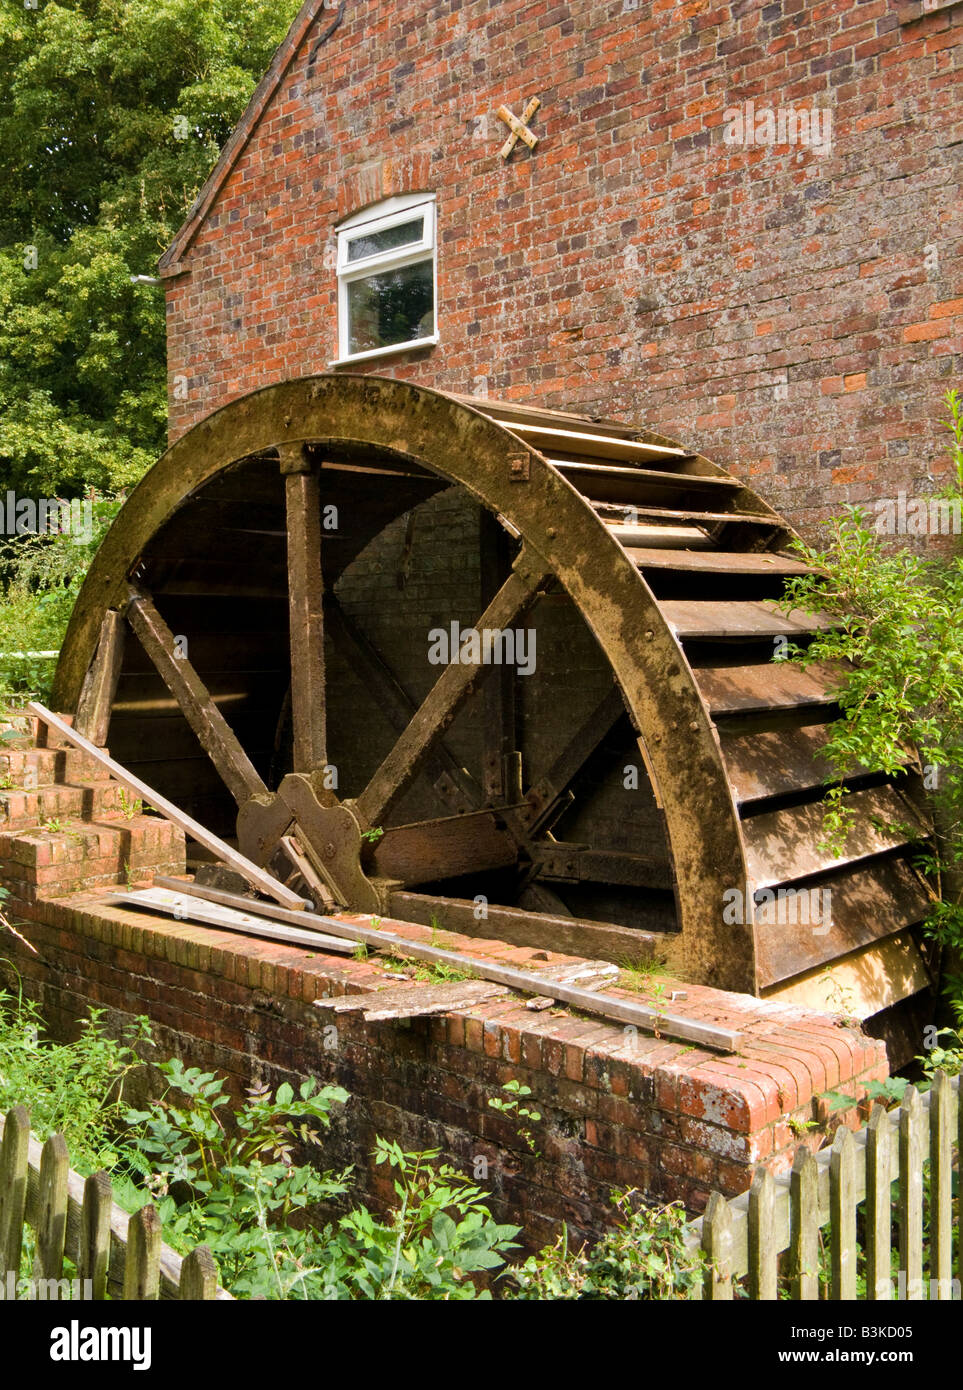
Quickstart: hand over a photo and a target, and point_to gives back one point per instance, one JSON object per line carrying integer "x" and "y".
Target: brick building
{"x": 740, "y": 224}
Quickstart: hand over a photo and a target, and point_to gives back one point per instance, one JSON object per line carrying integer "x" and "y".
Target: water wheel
{"x": 296, "y": 575}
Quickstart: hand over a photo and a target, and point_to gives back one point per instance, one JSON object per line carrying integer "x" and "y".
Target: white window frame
{"x": 389, "y": 213}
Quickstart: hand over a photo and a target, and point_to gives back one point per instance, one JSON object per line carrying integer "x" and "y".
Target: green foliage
{"x": 900, "y": 621}
{"x": 42, "y": 576}
{"x": 228, "y": 1178}
{"x": 114, "y": 112}
{"x": 77, "y": 1088}
{"x": 515, "y": 1093}
{"x": 439, "y": 1233}
{"x": 645, "y": 1257}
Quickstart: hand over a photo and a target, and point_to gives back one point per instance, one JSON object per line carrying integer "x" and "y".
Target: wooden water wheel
{"x": 282, "y": 572}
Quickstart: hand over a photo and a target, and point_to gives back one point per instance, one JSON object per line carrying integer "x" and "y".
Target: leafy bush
{"x": 227, "y": 1178}
{"x": 41, "y": 576}
{"x": 422, "y": 1250}
{"x": 900, "y": 621}
{"x": 75, "y": 1089}
{"x": 644, "y": 1257}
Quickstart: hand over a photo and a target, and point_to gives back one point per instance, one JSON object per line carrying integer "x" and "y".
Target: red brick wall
{"x": 618, "y": 1110}
{"x": 797, "y": 315}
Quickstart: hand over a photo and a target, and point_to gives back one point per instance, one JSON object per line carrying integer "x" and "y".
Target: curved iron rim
{"x": 677, "y": 740}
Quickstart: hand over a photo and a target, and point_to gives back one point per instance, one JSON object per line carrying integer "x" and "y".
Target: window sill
{"x": 385, "y": 351}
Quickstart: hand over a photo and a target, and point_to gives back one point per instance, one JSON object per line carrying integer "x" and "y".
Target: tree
{"x": 114, "y": 113}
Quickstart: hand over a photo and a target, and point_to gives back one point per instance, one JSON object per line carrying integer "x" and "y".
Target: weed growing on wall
{"x": 900, "y": 622}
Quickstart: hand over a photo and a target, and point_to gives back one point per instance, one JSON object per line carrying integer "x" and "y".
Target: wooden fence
{"x": 121, "y": 1256}
{"x": 810, "y": 1216}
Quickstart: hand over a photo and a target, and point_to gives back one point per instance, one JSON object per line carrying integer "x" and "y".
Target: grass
{"x": 638, "y": 976}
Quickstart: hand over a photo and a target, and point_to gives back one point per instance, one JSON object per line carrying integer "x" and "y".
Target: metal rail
{"x": 653, "y": 1020}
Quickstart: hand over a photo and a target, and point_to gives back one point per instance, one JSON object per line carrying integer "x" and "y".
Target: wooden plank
{"x": 446, "y": 696}
{"x": 14, "y": 1155}
{"x": 52, "y": 1222}
{"x": 866, "y": 903}
{"x": 860, "y": 984}
{"x": 738, "y": 1206}
{"x": 712, "y": 620}
{"x": 614, "y": 518}
{"x": 306, "y": 591}
{"x": 717, "y": 1248}
{"x": 911, "y": 1155}
{"x": 170, "y": 1261}
{"x": 762, "y": 1253}
{"x": 717, "y": 561}
{"x": 941, "y": 1186}
{"x": 198, "y": 1276}
{"x": 842, "y": 1216}
{"x": 142, "y": 1266}
{"x": 211, "y": 729}
{"x": 427, "y": 851}
{"x": 776, "y": 761}
{"x": 803, "y": 1238}
{"x": 100, "y": 683}
{"x": 771, "y": 685}
{"x": 604, "y": 446}
{"x": 785, "y": 845}
{"x": 879, "y": 1205}
{"x": 93, "y": 1253}
{"x": 250, "y": 872}
{"x": 410, "y": 1002}
{"x": 669, "y": 1025}
{"x": 523, "y": 927}
{"x": 607, "y": 482}
{"x": 558, "y": 861}
{"x": 184, "y": 905}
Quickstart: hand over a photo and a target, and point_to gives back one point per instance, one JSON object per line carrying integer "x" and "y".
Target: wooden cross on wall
{"x": 519, "y": 128}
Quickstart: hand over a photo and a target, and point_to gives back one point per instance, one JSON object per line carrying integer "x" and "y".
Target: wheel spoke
{"x": 305, "y": 609}
{"x": 548, "y": 797}
{"x": 455, "y": 786}
{"x": 214, "y": 734}
{"x": 447, "y": 695}
{"x": 100, "y": 683}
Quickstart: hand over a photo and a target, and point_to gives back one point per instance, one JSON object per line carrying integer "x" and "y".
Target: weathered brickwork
{"x": 618, "y": 1110}
{"x": 796, "y": 313}
{"x": 620, "y": 1107}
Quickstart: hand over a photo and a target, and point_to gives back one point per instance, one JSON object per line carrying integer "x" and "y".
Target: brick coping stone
{"x": 619, "y": 1108}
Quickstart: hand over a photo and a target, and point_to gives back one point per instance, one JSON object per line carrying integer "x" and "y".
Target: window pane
{"x": 405, "y": 234}
{"x": 393, "y": 307}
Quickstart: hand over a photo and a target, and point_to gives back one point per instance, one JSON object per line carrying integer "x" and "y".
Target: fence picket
{"x": 93, "y": 1256}
{"x": 879, "y": 1205}
{"x": 52, "y": 1223}
{"x": 762, "y": 1251}
{"x": 842, "y": 1216}
{"x": 198, "y": 1275}
{"x": 911, "y": 1138}
{"x": 78, "y": 1220}
{"x": 804, "y": 1225}
{"x": 142, "y": 1267}
{"x": 941, "y": 1186}
{"x": 717, "y": 1246}
{"x": 14, "y": 1153}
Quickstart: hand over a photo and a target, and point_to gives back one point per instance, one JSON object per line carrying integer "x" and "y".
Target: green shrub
{"x": 75, "y": 1089}
{"x": 41, "y": 577}
{"x": 644, "y": 1257}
